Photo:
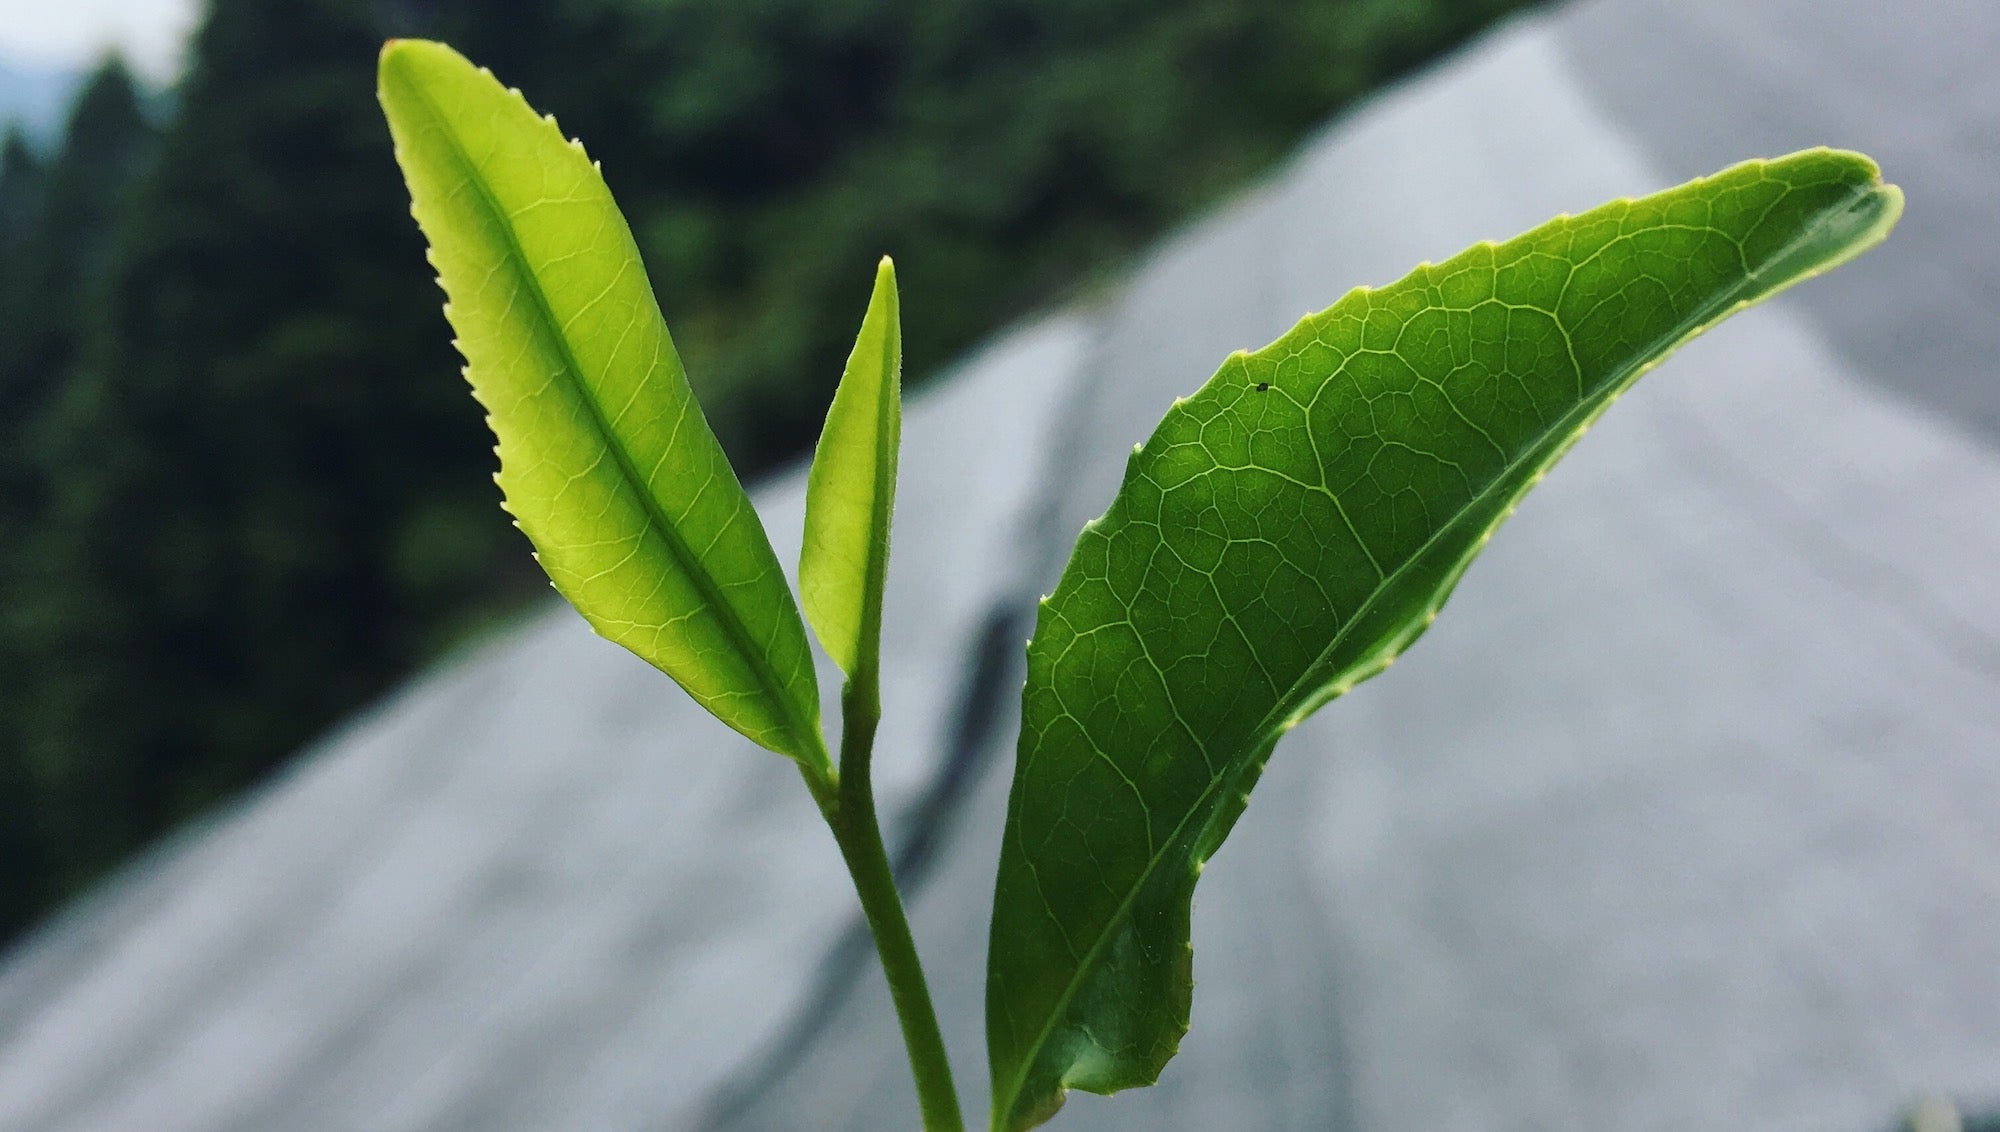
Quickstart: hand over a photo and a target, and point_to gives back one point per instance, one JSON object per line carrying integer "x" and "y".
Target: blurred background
{"x": 242, "y": 489}
{"x": 315, "y": 812}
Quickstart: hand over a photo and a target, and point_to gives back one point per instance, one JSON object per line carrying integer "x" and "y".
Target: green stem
{"x": 849, "y": 807}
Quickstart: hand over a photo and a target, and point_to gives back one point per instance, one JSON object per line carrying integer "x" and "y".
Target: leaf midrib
{"x": 1268, "y": 730}
{"x": 690, "y": 564}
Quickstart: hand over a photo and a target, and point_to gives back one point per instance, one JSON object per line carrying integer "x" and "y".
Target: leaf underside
{"x": 606, "y": 461}
{"x": 1291, "y": 528}
{"x": 851, "y": 489}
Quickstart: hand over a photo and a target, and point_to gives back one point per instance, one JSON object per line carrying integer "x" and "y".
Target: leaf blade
{"x": 1327, "y": 493}
{"x": 606, "y": 462}
{"x": 851, "y": 489}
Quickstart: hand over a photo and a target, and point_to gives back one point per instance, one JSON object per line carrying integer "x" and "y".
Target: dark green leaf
{"x": 1289, "y": 530}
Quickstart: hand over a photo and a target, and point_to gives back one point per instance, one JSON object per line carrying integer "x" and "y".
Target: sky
{"x": 73, "y": 34}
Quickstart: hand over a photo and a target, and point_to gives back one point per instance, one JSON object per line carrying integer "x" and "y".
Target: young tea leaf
{"x": 1289, "y": 530}
{"x": 606, "y": 461}
{"x": 851, "y": 490}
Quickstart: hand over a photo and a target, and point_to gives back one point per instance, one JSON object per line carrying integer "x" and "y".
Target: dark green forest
{"x": 242, "y": 487}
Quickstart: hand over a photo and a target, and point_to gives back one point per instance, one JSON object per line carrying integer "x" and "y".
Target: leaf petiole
{"x": 849, "y": 808}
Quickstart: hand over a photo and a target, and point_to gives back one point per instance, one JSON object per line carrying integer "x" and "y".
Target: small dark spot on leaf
{"x": 1263, "y": 387}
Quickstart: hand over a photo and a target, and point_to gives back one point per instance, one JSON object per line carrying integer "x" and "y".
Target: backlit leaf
{"x": 605, "y": 459}
{"x": 851, "y": 490}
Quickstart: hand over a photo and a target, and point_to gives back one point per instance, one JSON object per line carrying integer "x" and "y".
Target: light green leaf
{"x": 851, "y": 490}
{"x": 1289, "y": 530}
{"x": 605, "y": 459}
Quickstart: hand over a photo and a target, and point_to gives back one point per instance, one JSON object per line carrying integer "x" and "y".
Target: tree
{"x": 56, "y": 245}
{"x": 20, "y": 194}
{"x": 56, "y": 261}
